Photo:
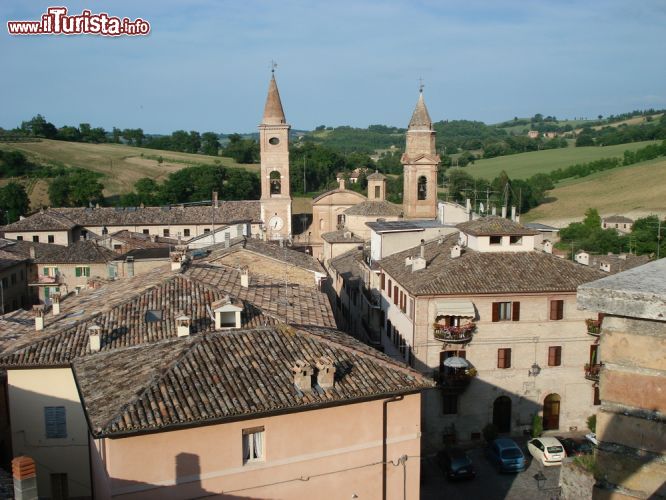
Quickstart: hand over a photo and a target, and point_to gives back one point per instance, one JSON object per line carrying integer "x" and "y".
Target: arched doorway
{"x": 551, "y": 412}
{"x": 502, "y": 414}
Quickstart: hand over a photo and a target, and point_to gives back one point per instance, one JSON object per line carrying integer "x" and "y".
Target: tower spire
{"x": 420, "y": 118}
{"x": 273, "y": 112}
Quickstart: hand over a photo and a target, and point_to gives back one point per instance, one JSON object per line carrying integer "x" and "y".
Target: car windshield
{"x": 554, "y": 449}
{"x": 511, "y": 453}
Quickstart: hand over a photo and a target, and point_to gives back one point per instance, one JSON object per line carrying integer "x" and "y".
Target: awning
{"x": 456, "y": 362}
{"x": 460, "y": 308}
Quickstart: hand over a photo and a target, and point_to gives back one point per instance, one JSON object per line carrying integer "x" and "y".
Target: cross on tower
{"x": 273, "y": 66}
{"x": 421, "y": 85}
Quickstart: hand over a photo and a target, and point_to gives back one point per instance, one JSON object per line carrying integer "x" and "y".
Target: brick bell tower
{"x": 274, "y": 147}
{"x": 420, "y": 161}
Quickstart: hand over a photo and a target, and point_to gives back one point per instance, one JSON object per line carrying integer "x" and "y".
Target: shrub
{"x": 592, "y": 423}
{"x": 490, "y": 432}
{"x": 537, "y": 426}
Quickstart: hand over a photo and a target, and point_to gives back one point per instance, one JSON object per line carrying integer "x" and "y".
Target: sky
{"x": 206, "y": 64}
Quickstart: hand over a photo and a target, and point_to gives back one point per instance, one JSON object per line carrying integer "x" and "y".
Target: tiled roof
{"x": 339, "y": 237}
{"x": 81, "y": 252}
{"x": 66, "y": 218}
{"x": 494, "y": 226}
{"x": 618, "y": 218}
{"x": 273, "y": 112}
{"x": 375, "y": 209}
{"x": 485, "y": 272}
{"x": 220, "y": 376}
{"x": 44, "y": 220}
{"x": 140, "y": 240}
{"x": 146, "y": 253}
{"x": 420, "y": 118}
{"x": 348, "y": 265}
{"x": 376, "y": 176}
{"x": 271, "y": 250}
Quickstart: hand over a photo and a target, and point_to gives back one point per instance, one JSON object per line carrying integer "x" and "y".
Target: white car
{"x": 547, "y": 449}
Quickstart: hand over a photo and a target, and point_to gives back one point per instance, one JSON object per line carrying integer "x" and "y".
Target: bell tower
{"x": 274, "y": 147}
{"x": 420, "y": 162}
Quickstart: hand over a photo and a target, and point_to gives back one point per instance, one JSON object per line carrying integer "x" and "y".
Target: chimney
{"x": 215, "y": 202}
{"x": 341, "y": 183}
{"x": 227, "y": 312}
{"x": 245, "y": 276}
{"x": 178, "y": 257}
{"x": 468, "y": 205}
{"x": 24, "y": 472}
{"x": 227, "y": 240}
{"x": 504, "y": 212}
{"x": 38, "y": 313}
{"x": 422, "y": 255}
{"x": 455, "y": 251}
{"x": 547, "y": 246}
{"x": 183, "y": 323}
{"x": 95, "y": 338}
{"x": 55, "y": 303}
{"x": 325, "y": 372}
{"x": 302, "y": 376}
{"x": 33, "y": 252}
{"x": 494, "y": 211}
{"x": 513, "y": 214}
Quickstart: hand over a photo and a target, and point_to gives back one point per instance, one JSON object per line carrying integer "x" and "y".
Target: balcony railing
{"x": 593, "y": 326}
{"x": 592, "y": 371}
{"x": 456, "y": 381}
{"x": 454, "y": 334}
{"x": 47, "y": 280}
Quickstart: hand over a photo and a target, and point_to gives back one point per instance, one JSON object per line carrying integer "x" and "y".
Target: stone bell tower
{"x": 274, "y": 147}
{"x": 420, "y": 161}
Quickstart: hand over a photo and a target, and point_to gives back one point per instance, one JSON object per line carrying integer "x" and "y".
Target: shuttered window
{"x": 556, "y": 309}
{"x": 395, "y": 295}
{"x": 55, "y": 422}
{"x": 506, "y": 311}
{"x": 382, "y": 281}
{"x": 503, "y": 358}
{"x": 555, "y": 355}
{"x": 516, "y": 311}
{"x": 390, "y": 285}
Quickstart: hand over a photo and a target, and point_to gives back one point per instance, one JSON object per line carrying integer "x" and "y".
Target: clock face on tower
{"x": 275, "y": 223}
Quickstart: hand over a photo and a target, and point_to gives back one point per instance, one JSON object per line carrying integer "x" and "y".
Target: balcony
{"x": 47, "y": 280}
{"x": 592, "y": 371}
{"x": 593, "y": 327}
{"x": 454, "y": 334}
{"x": 455, "y": 381}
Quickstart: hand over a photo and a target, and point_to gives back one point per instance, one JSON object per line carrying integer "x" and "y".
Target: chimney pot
{"x": 215, "y": 202}
{"x": 341, "y": 184}
{"x": 325, "y": 372}
{"x": 55, "y": 303}
{"x": 494, "y": 211}
{"x": 245, "y": 277}
{"x": 183, "y": 323}
{"x": 227, "y": 240}
{"x": 95, "y": 338}
{"x": 422, "y": 249}
{"x": 513, "y": 214}
{"x": 455, "y": 251}
{"x": 24, "y": 472}
{"x": 504, "y": 212}
{"x": 38, "y": 312}
{"x": 302, "y": 376}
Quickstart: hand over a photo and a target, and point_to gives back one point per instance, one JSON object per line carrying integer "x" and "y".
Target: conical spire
{"x": 420, "y": 118}
{"x": 273, "y": 112}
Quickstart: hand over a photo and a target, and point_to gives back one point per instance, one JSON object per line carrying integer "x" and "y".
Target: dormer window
{"x": 227, "y": 312}
{"x": 495, "y": 240}
{"x": 516, "y": 240}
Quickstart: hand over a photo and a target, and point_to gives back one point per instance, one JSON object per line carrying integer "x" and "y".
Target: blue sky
{"x": 205, "y": 65}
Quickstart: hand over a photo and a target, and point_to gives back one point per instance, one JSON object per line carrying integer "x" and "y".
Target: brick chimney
{"x": 183, "y": 323}
{"x": 419, "y": 262}
{"x": 302, "y": 376}
{"x": 215, "y": 202}
{"x": 325, "y": 372}
{"x": 245, "y": 276}
{"x": 95, "y": 338}
{"x": 455, "y": 251}
{"x": 55, "y": 303}
{"x": 38, "y": 312}
{"x": 24, "y": 473}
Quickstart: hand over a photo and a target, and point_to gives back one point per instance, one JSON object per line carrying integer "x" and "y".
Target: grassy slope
{"x": 123, "y": 165}
{"x": 524, "y": 165}
{"x": 636, "y": 190}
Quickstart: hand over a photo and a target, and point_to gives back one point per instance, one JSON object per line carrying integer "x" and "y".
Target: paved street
{"x": 489, "y": 484}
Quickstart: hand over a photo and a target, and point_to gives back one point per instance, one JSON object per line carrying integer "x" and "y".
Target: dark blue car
{"x": 506, "y": 455}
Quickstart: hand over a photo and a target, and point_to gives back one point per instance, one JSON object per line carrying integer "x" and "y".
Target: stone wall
{"x": 576, "y": 482}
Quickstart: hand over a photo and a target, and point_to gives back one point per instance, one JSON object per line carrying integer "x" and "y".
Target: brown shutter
{"x": 496, "y": 311}
{"x": 500, "y": 358}
{"x": 553, "y": 309}
{"x": 395, "y": 295}
{"x": 382, "y": 281}
{"x": 389, "y": 289}
{"x": 558, "y": 356}
{"x": 560, "y": 309}
{"x": 515, "y": 315}
{"x": 507, "y": 359}
{"x": 462, "y": 354}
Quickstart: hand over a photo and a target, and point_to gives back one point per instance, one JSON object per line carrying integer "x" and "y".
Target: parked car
{"x": 506, "y": 455}
{"x": 456, "y": 464}
{"x": 575, "y": 447}
{"x": 547, "y": 449}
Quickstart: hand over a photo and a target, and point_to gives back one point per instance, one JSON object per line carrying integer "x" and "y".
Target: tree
{"x": 210, "y": 143}
{"x": 242, "y": 150}
{"x": 116, "y": 133}
{"x": 39, "y": 127}
{"x": 13, "y": 201}
{"x": 75, "y": 189}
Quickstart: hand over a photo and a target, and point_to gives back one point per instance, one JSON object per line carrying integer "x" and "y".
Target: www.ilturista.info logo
{"x": 56, "y": 22}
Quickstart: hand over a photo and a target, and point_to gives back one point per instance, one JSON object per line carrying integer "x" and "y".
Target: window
{"x": 555, "y": 355}
{"x": 19, "y": 238}
{"x": 117, "y": 246}
{"x": 390, "y": 285}
{"x": 422, "y": 188}
{"x": 389, "y": 327}
{"x": 153, "y": 315}
{"x": 341, "y": 219}
{"x": 5, "y": 283}
{"x": 395, "y": 295}
{"x": 59, "y": 489}
{"x": 597, "y": 399}
{"x": 146, "y": 231}
{"x": 35, "y": 239}
{"x": 449, "y": 404}
{"x": 516, "y": 240}
{"x": 495, "y": 240}
{"x": 82, "y": 271}
{"x": 207, "y": 230}
{"x": 276, "y": 182}
{"x": 166, "y": 233}
{"x": 253, "y": 444}
{"x": 55, "y": 422}
{"x": 382, "y": 281}
{"x": 51, "y": 238}
{"x": 556, "y": 309}
{"x": 13, "y": 278}
{"x": 186, "y": 232}
{"x": 506, "y": 311}
{"x": 503, "y": 358}
{"x": 377, "y": 192}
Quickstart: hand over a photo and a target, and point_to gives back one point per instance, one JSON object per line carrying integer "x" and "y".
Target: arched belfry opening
{"x": 422, "y": 188}
{"x": 276, "y": 183}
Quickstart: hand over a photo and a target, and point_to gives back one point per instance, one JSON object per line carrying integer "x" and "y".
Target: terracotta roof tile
{"x": 494, "y": 226}
{"x": 375, "y": 209}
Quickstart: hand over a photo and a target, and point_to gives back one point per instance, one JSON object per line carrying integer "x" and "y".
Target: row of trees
{"x": 623, "y": 134}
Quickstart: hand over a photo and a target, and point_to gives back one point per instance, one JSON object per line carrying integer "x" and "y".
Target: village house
{"x": 163, "y": 364}
{"x": 618, "y": 222}
{"x": 14, "y": 271}
{"x": 495, "y": 323}
{"x": 630, "y": 369}
{"x": 610, "y": 263}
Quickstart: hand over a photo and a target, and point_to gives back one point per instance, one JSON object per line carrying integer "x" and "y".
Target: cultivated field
{"x": 636, "y": 191}
{"x": 122, "y": 165}
{"x": 524, "y": 165}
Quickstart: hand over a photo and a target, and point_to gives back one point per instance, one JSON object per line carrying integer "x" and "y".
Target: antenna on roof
{"x": 421, "y": 85}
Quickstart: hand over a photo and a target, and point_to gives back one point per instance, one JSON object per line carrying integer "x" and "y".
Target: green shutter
{"x": 46, "y": 271}
{"x": 77, "y": 272}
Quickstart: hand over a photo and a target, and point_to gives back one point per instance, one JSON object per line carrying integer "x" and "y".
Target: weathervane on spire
{"x": 273, "y": 66}
{"x": 421, "y": 85}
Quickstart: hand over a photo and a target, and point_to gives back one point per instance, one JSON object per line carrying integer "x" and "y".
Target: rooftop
{"x": 81, "y": 252}
{"x": 341, "y": 236}
{"x": 375, "y": 209}
{"x": 617, "y": 218}
{"x": 44, "y": 220}
{"x": 420, "y": 118}
{"x": 494, "y": 226}
{"x": 376, "y": 176}
{"x": 349, "y": 264}
{"x": 398, "y": 226}
{"x": 481, "y": 272}
{"x": 146, "y": 254}
{"x": 638, "y": 293}
{"x": 219, "y": 376}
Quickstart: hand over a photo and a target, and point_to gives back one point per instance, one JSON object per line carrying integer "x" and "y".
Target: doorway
{"x": 502, "y": 414}
{"x": 551, "y": 412}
